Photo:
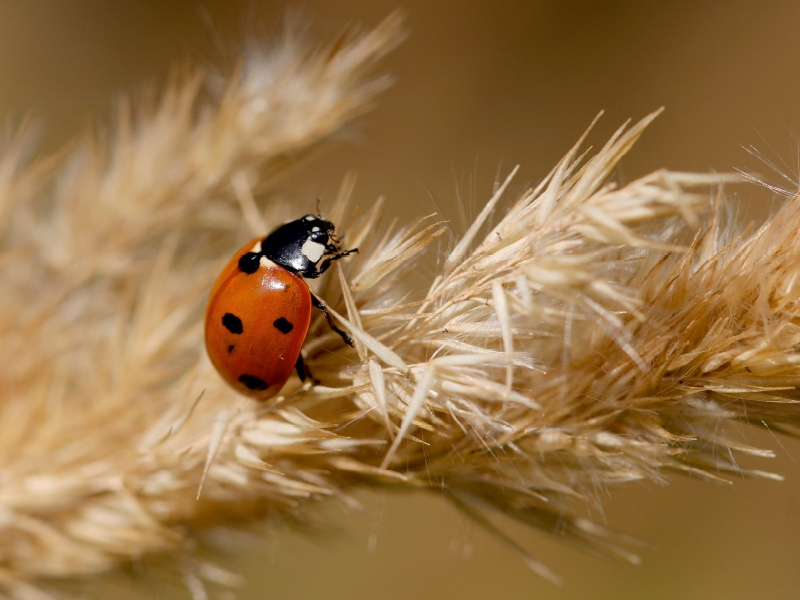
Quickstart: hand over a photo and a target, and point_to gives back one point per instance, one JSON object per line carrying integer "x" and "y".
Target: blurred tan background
{"x": 480, "y": 86}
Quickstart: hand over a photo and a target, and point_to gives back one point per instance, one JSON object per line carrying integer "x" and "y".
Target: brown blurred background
{"x": 480, "y": 86}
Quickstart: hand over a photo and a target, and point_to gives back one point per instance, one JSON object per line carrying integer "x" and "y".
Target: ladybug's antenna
{"x": 319, "y": 214}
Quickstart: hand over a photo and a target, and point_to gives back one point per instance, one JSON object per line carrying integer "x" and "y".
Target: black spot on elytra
{"x": 232, "y": 323}
{"x": 283, "y": 325}
{"x": 230, "y": 348}
{"x": 251, "y": 382}
{"x": 249, "y": 262}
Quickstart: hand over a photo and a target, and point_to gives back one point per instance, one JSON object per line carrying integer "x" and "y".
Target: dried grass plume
{"x": 577, "y": 336}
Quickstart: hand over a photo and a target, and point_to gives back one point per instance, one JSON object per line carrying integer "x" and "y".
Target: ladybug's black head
{"x": 305, "y": 246}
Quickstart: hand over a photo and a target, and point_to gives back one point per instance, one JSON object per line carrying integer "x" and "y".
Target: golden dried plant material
{"x": 580, "y": 336}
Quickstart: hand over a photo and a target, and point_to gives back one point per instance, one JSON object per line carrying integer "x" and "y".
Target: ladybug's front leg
{"x": 342, "y": 254}
{"x": 321, "y": 305}
{"x": 334, "y": 250}
{"x": 336, "y": 256}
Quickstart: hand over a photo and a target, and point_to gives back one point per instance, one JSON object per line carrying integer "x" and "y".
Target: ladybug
{"x": 259, "y": 310}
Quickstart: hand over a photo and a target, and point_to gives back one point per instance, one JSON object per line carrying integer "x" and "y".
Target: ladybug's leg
{"x": 303, "y": 371}
{"x": 321, "y": 305}
{"x": 342, "y": 254}
{"x": 325, "y": 264}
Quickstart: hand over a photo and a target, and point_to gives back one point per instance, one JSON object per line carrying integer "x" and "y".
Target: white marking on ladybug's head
{"x": 267, "y": 263}
{"x": 315, "y": 229}
{"x": 310, "y": 218}
{"x": 313, "y": 251}
{"x": 257, "y": 247}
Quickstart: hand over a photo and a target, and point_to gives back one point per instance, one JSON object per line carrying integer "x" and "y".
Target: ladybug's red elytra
{"x": 259, "y": 310}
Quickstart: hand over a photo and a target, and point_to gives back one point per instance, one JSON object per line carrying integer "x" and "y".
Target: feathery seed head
{"x": 572, "y": 345}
